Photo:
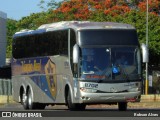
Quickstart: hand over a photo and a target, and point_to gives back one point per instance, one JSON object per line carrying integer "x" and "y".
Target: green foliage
{"x": 32, "y": 21}
{"x": 11, "y": 29}
{"x": 51, "y": 5}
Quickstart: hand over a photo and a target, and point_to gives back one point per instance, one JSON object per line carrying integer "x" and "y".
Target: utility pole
{"x": 146, "y": 82}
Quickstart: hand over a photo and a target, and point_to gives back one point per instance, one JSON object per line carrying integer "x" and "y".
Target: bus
{"x": 76, "y": 63}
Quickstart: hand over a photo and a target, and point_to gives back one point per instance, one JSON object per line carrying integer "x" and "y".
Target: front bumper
{"x": 104, "y": 98}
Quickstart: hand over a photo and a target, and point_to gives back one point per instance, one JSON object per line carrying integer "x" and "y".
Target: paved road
{"x": 91, "y": 111}
{"x": 19, "y": 107}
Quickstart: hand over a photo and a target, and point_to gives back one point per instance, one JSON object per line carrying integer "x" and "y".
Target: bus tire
{"x": 24, "y": 100}
{"x": 122, "y": 106}
{"x": 73, "y": 106}
{"x": 31, "y": 104}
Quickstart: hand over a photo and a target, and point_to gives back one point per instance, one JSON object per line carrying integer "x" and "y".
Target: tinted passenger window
{"x": 45, "y": 44}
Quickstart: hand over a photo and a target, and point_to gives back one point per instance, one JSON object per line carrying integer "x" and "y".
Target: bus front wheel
{"x": 122, "y": 106}
{"x": 74, "y": 106}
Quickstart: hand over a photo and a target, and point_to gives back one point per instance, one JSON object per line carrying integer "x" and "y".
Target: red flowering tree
{"x": 82, "y": 9}
{"x": 74, "y": 9}
{"x": 154, "y": 6}
{"x": 117, "y": 10}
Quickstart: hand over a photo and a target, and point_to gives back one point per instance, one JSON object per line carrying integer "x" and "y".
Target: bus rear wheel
{"x": 122, "y": 106}
{"x": 24, "y": 100}
{"x": 74, "y": 106}
{"x": 31, "y": 104}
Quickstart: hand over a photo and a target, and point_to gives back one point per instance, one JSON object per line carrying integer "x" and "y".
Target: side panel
{"x": 39, "y": 95}
{"x": 64, "y": 76}
{"x": 39, "y": 74}
{"x": 46, "y": 77}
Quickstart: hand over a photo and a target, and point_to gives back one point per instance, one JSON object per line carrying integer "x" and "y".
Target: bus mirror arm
{"x": 145, "y": 53}
{"x": 75, "y": 53}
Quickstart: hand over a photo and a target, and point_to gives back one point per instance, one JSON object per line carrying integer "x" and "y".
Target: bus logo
{"x": 50, "y": 68}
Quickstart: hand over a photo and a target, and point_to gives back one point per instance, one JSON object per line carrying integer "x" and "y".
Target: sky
{"x": 16, "y": 9}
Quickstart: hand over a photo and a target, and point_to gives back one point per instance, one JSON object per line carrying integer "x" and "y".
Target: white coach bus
{"x": 77, "y": 63}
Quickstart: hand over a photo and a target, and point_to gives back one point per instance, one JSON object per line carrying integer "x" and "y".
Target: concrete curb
{"x": 6, "y": 99}
{"x": 152, "y": 98}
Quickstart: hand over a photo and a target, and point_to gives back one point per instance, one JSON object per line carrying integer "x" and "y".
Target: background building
{"x": 3, "y": 43}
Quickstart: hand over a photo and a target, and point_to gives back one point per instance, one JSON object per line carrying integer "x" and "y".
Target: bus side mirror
{"x": 75, "y": 53}
{"x": 145, "y": 53}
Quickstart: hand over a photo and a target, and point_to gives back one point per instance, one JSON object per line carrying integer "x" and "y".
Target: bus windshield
{"x": 108, "y": 63}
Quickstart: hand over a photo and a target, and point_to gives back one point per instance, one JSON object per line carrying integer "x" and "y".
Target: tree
{"x": 51, "y": 5}
{"x": 33, "y": 21}
{"x": 154, "y": 6}
{"x": 11, "y": 29}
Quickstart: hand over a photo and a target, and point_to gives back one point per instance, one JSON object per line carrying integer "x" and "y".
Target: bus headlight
{"x": 89, "y": 90}
{"x": 134, "y": 89}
